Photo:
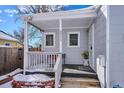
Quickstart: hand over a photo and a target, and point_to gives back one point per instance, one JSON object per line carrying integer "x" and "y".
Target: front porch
{"x": 65, "y": 37}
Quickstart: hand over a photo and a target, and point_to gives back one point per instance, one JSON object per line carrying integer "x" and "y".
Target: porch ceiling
{"x": 70, "y": 19}
{"x": 66, "y": 23}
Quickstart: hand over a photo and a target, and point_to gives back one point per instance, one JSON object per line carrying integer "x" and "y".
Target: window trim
{"x": 49, "y": 33}
{"x": 68, "y": 37}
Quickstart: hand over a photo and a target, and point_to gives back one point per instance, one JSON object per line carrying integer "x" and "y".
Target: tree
{"x": 33, "y": 9}
{"x": 33, "y": 34}
{"x": 19, "y": 35}
{"x": 29, "y": 9}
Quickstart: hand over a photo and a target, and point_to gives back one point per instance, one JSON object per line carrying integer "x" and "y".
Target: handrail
{"x": 57, "y": 63}
{"x": 43, "y": 52}
{"x": 58, "y": 70}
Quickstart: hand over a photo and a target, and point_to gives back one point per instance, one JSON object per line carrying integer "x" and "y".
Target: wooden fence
{"x": 10, "y": 59}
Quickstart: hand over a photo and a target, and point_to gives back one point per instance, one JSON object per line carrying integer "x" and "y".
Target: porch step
{"x": 78, "y": 71}
{"x": 78, "y": 75}
{"x": 71, "y": 82}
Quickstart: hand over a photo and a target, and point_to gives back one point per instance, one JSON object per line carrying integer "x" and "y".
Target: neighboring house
{"x": 98, "y": 29}
{"x": 7, "y": 40}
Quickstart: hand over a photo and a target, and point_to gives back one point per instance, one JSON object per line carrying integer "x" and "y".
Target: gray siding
{"x": 73, "y": 54}
{"x": 97, "y": 33}
{"x": 116, "y": 45}
{"x": 100, "y": 34}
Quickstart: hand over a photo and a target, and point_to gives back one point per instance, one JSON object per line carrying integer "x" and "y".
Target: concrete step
{"x": 71, "y": 82}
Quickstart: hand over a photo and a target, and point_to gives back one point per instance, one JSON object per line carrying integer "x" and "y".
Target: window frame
{"x": 49, "y": 33}
{"x": 68, "y": 37}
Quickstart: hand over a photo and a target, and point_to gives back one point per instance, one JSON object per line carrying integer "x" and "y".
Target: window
{"x": 49, "y": 39}
{"x": 73, "y": 39}
{"x": 7, "y": 44}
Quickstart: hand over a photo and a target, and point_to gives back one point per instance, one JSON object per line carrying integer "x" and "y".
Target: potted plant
{"x": 85, "y": 56}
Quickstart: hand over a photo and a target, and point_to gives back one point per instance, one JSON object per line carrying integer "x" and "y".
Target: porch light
{"x": 28, "y": 18}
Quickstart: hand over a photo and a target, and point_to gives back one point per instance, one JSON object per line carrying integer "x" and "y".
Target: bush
{"x": 85, "y": 55}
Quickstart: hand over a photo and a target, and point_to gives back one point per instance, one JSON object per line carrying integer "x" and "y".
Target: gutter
{"x": 96, "y": 10}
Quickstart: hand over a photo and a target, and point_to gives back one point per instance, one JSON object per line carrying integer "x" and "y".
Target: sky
{"x": 7, "y": 19}
{"x": 8, "y": 15}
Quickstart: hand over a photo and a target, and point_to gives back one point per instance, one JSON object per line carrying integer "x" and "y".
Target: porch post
{"x": 25, "y": 46}
{"x": 60, "y": 35}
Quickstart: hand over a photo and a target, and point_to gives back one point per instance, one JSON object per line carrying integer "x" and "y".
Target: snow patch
{"x": 31, "y": 78}
{"x": 6, "y": 85}
{"x": 11, "y": 74}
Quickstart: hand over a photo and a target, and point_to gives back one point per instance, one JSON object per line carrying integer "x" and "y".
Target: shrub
{"x": 85, "y": 55}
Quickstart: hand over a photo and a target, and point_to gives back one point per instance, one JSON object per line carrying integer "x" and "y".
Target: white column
{"x": 60, "y": 35}
{"x": 25, "y": 46}
{"x": 107, "y": 84}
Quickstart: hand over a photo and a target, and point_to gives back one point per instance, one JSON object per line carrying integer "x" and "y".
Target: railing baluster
{"x": 31, "y": 60}
{"x": 28, "y": 60}
{"x": 51, "y": 61}
{"x": 53, "y": 58}
{"x": 41, "y": 60}
{"x": 46, "y": 60}
{"x": 34, "y": 60}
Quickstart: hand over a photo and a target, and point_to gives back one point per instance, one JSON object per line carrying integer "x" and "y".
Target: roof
{"x": 6, "y": 36}
{"x": 90, "y": 9}
{"x": 76, "y": 19}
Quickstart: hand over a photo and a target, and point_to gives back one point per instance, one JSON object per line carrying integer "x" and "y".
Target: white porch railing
{"x": 41, "y": 60}
{"x": 47, "y": 61}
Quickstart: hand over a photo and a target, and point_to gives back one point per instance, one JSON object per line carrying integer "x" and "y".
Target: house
{"x": 98, "y": 29}
{"x": 7, "y": 40}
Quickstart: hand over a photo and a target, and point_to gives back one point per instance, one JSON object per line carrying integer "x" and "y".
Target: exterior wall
{"x": 116, "y": 65}
{"x": 99, "y": 34}
{"x": 97, "y": 39}
{"x": 12, "y": 43}
{"x": 73, "y": 54}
